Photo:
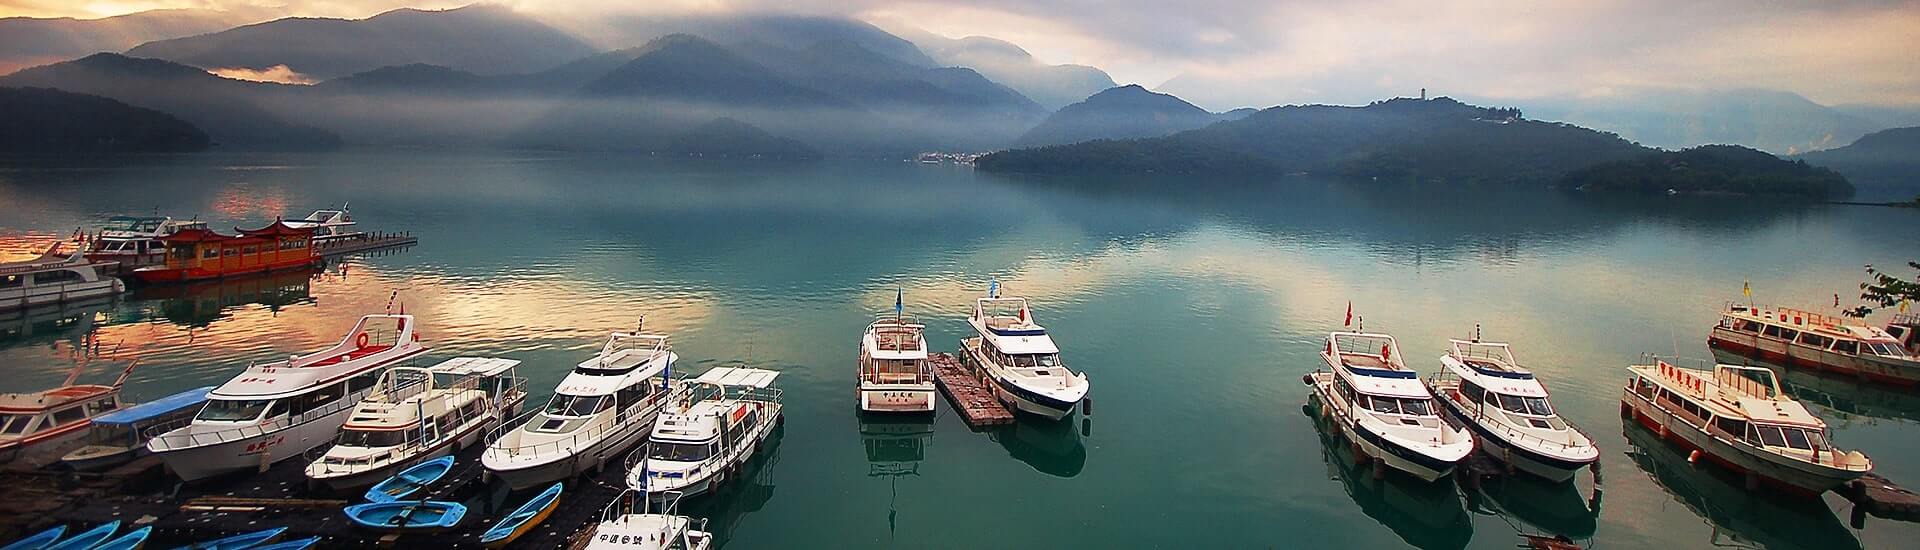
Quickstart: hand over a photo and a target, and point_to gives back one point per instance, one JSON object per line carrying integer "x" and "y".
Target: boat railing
{"x": 629, "y": 499}
{"x": 1911, "y": 319}
{"x": 579, "y": 438}
{"x": 199, "y": 438}
{"x": 652, "y": 345}
{"x": 1505, "y": 428}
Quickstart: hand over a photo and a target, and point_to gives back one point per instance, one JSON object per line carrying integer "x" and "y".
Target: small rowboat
{"x": 38, "y": 540}
{"x": 240, "y": 541}
{"x": 296, "y": 544}
{"x": 129, "y": 541}
{"x": 408, "y": 516}
{"x": 88, "y": 539}
{"x": 523, "y": 519}
{"x": 410, "y": 480}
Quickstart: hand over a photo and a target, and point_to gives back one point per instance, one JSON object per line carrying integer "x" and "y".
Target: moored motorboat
{"x": 89, "y": 538}
{"x": 136, "y": 241}
{"x": 407, "y": 516}
{"x": 1020, "y": 359}
{"x": 1483, "y": 387}
{"x": 417, "y": 414}
{"x": 894, "y": 373}
{"x": 239, "y": 542}
{"x": 1797, "y": 338}
{"x": 275, "y": 411}
{"x": 410, "y": 480}
{"x": 38, "y": 428}
{"x": 623, "y": 527}
{"x": 711, "y": 427}
{"x": 119, "y": 437}
{"x": 1738, "y": 417}
{"x": 523, "y": 519}
{"x": 607, "y": 404}
{"x": 38, "y": 540}
{"x": 56, "y": 278}
{"x": 327, "y": 225}
{"x": 1383, "y": 408}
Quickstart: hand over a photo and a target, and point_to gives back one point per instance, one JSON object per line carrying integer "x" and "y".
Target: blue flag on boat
{"x": 899, "y": 296}
{"x": 993, "y": 288}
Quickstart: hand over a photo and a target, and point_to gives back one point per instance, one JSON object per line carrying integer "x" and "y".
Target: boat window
{"x": 1526, "y": 405}
{"x": 11, "y": 281}
{"x": 1815, "y": 340}
{"x": 231, "y": 252}
{"x": 1817, "y": 440}
{"x": 362, "y": 382}
{"x": 317, "y": 399}
{"x": 1771, "y": 437}
{"x": 1417, "y": 407}
{"x": 1746, "y": 326}
{"x": 1733, "y": 426}
{"x": 231, "y": 410}
{"x": 1788, "y": 334}
{"x": 1473, "y": 391}
{"x": 1049, "y": 360}
{"x": 68, "y": 415}
{"x": 103, "y": 405}
{"x": 1845, "y": 346}
{"x": 575, "y": 405}
{"x": 56, "y": 277}
{"x": 208, "y": 254}
{"x": 372, "y": 438}
{"x": 679, "y": 452}
{"x": 1888, "y": 350}
{"x": 1797, "y": 438}
{"x": 1771, "y": 331}
{"x": 15, "y": 423}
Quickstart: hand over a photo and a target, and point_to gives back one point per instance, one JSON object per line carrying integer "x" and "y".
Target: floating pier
{"x": 364, "y": 242}
{"x": 1876, "y": 495}
{"x": 967, "y": 391}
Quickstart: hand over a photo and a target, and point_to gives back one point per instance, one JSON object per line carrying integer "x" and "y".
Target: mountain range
{"x": 41, "y": 120}
{"x": 31, "y": 41}
{"x": 1670, "y": 118}
{"x": 1884, "y": 158}
{"x": 1123, "y": 112}
{"x": 232, "y": 112}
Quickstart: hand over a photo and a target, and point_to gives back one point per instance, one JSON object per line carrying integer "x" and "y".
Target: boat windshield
{"x": 372, "y": 438}
{"x": 1393, "y": 405}
{"x": 1036, "y": 360}
{"x": 1886, "y": 350}
{"x": 680, "y": 452}
{"x": 576, "y": 405}
{"x": 233, "y": 410}
{"x": 1785, "y": 436}
{"x": 1536, "y": 406}
{"x": 14, "y": 424}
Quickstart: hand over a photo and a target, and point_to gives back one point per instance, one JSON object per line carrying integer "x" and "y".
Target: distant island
{"x": 1887, "y": 157}
{"x": 1711, "y": 169}
{"x": 41, "y": 120}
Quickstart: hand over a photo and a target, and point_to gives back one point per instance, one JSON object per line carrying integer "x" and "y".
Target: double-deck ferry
{"x": 1481, "y": 385}
{"x": 707, "y": 432}
{"x": 197, "y": 253}
{"x": 136, "y": 241}
{"x": 1382, "y": 407}
{"x": 37, "y": 428}
{"x": 894, "y": 373}
{"x": 55, "y": 278}
{"x": 280, "y": 410}
{"x": 1739, "y": 418}
{"x": 1021, "y": 360}
{"x": 419, "y": 414}
{"x": 1797, "y": 338}
{"x": 607, "y": 404}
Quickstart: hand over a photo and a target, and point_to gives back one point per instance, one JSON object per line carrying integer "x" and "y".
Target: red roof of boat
{"x": 276, "y": 229}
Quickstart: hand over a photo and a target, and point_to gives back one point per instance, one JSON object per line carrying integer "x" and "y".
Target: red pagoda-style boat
{"x": 196, "y": 254}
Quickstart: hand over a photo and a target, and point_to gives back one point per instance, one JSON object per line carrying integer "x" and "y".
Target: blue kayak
{"x": 410, "y": 480}
{"x": 129, "y": 541}
{"x": 296, "y": 544}
{"x": 523, "y": 519}
{"x": 88, "y": 539}
{"x": 237, "y": 542}
{"x": 407, "y": 516}
{"x": 38, "y": 540}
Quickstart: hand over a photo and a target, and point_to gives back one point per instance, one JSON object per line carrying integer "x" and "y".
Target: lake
{"x": 1194, "y": 305}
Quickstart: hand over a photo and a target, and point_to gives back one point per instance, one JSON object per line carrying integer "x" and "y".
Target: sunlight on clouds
{"x": 277, "y": 73}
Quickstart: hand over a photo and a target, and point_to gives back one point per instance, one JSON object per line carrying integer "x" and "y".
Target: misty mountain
{"x": 230, "y": 111}
{"x": 1773, "y": 121}
{"x": 42, "y": 120}
{"x": 1883, "y": 116}
{"x": 692, "y": 69}
{"x": 1125, "y": 112}
{"x": 877, "y": 81}
{"x": 1052, "y": 86}
{"x": 784, "y": 31}
{"x": 481, "y": 39}
{"x": 1886, "y": 157}
{"x": 1710, "y": 169}
{"x": 726, "y": 137}
{"x": 30, "y": 41}
{"x": 1394, "y": 140}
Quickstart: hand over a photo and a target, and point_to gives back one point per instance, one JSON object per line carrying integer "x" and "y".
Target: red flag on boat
{"x": 1349, "y": 313}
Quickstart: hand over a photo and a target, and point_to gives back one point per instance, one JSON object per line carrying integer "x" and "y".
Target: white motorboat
{"x": 1020, "y": 359}
{"x": 607, "y": 404}
{"x": 1483, "y": 387}
{"x": 622, "y": 527}
{"x": 37, "y": 428}
{"x": 894, "y": 374}
{"x": 1739, "y": 418}
{"x": 136, "y": 241}
{"x": 709, "y": 429}
{"x": 280, "y": 410}
{"x": 415, "y": 415}
{"x": 55, "y": 278}
{"x": 1382, "y": 407}
{"x": 327, "y": 225}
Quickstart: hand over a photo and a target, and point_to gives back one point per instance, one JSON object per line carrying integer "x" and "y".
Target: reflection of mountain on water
{"x": 1776, "y": 522}
{"x": 200, "y": 304}
{"x": 1425, "y": 515}
{"x": 1052, "y": 448}
{"x": 1839, "y": 394}
{"x": 1535, "y": 506}
{"x": 740, "y": 495}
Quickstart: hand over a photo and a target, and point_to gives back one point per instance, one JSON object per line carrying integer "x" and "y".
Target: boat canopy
{"x": 736, "y": 376}
{"x": 156, "y": 408}
{"x": 474, "y": 366}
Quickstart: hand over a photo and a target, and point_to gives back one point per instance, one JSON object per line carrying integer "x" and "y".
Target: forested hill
{"x": 1711, "y": 169}
{"x": 41, "y": 120}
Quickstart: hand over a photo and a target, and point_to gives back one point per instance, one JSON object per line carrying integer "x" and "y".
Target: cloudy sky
{"x": 1226, "y": 53}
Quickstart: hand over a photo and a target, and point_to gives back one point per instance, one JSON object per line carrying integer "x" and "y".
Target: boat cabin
{"x": 273, "y": 245}
{"x": 327, "y": 225}
{"x": 1905, "y": 329}
{"x": 1492, "y": 378}
{"x": 1013, "y": 339}
{"x": 720, "y": 408}
{"x": 1813, "y": 330}
{"x": 1371, "y": 377}
{"x": 894, "y": 351}
{"x": 24, "y": 417}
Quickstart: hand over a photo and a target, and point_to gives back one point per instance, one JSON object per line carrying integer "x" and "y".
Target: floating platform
{"x": 967, "y": 391}
{"x": 1878, "y": 496}
{"x": 364, "y": 242}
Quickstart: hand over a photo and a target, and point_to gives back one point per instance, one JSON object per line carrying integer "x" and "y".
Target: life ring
{"x": 360, "y": 341}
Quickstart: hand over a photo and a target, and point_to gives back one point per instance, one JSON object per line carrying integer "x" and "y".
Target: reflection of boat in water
{"x": 1051, "y": 448}
{"x": 745, "y": 493}
{"x": 895, "y": 447}
{"x": 1737, "y": 517}
{"x": 69, "y": 321}
{"x": 1842, "y": 395}
{"x": 1425, "y": 515}
{"x": 1536, "y": 507}
{"x": 197, "y": 304}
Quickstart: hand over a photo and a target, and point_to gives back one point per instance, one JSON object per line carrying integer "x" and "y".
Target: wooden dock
{"x": 364, "y": 242}
{"x": 1876, "y": 495}
{"x": 967, "y": 392}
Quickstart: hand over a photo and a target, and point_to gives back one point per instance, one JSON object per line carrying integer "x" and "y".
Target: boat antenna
{"x": 1362, "y": 321}
{"x": 1476, "y": 333}
{"x": 390, "y": 299}
{"x": 125, "y": 373}
{"x": 640, "y": 325}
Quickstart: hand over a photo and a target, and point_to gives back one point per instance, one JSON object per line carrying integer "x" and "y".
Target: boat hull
{"x": 897, "y": 398}
{"x": 520, "y": 475}
{"x": 1393, "y": 455}
{"x": 255, "y": 452}
{"x": 1871, "y": 368}
{"x": 367, "y": 478}
{"x": 97, "y": 458}
{"x": 42, "y": 449}
{"x": 163, "y": 275}
{"x": 24, "y": 298}
{"x": 1797, "y": 478}
{"x": 1491, "y": 442}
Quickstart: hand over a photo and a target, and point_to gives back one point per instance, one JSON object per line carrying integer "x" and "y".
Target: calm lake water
{"x": 1194, "y": 305}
